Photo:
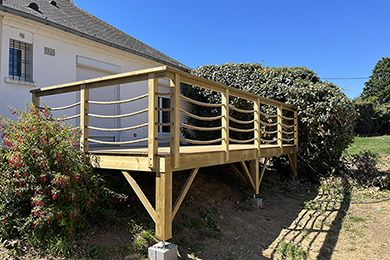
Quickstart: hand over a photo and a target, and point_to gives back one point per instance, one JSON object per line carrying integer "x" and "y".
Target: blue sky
{"x": 336, "y": 39}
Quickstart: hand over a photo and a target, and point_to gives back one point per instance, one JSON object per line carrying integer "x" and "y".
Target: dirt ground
{"x": 215, "y": 222}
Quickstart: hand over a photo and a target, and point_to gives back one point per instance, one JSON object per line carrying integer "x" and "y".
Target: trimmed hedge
{"x": 326, "y": 115}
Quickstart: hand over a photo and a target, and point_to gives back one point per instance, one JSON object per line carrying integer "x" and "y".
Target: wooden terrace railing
{"x": 270, "y": 122}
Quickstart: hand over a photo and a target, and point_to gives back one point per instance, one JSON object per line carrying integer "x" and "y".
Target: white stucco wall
{"x": 62, "y": 68}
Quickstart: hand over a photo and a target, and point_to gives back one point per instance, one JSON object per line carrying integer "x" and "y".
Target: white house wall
{"x": 62, "y": 68}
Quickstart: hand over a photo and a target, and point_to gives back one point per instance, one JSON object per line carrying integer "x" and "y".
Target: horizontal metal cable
{"x": 64, "y": 107}
{"x": 119, "y": 116}
{"x": 164, "y": 109}
{"x": 288, "y": 118}
{"x": 117, "y": 102}
{"x": 288, "y": 140}
{"x": 202, "y": 128}
{"x": 270, "y": 132}
{"x": 163, "y": 124}
{"x": 71, "y": 117}
{"x": 267, "y": 124}
{"x": 201, "y": 117}
{"x": 242, "y": 141}
{"x": 267, "y": 115}
{"x": 164, "y": 139}
{"x": 288, "y": 126}
{"x": 288, "y": 133}
{"x": 164, "y": 94}
{"x": 268, "y": 141}
{"x": 117, "y": 143}
{"x": 241, "y": 122}
{"x": 201, "y": 142}
{"x": 241, "y": 110}
{"x": 117, "y": 129}
{"x": 241, "y": 130}
{"x": 200, "y": 103}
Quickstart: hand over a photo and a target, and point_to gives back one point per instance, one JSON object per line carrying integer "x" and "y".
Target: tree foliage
{"x": 325, "y": 113}
{"x": 378, "y": 86}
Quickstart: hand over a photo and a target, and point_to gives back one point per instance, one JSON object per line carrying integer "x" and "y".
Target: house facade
{"x": 46, "y": 43}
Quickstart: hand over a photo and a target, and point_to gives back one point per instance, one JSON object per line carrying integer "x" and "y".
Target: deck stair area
{"x": 273, "y": 127}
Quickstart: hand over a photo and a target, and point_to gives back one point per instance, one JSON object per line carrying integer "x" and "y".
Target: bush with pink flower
{"x": 45, "y": 183}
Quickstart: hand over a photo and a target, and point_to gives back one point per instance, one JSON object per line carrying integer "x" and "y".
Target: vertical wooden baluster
{"x": 84, "y": 118}
{"x": 152, "y": 120}
{"x": 280, "y": 134}
{"x": 175, "y": 118}
{"x": 256, "y": 115}
{"x": 225, "y": 123}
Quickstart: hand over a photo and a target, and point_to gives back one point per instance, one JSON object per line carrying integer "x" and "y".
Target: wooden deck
{"x": 274, "y": 132}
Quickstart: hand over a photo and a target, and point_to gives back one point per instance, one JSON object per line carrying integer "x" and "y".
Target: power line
{"x": 348, "y": 78}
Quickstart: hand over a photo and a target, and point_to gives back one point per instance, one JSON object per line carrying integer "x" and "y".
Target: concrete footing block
{"x": 255, "y": 202}
{"x": 159, "y": 251}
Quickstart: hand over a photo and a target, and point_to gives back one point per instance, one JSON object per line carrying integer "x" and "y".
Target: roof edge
{"x": 89, "y": 37}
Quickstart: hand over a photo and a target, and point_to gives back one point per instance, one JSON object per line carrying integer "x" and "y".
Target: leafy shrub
{"x": 325, "y": 113}
{"x": 46, "y": 187}
{"x": 372, "y": 117}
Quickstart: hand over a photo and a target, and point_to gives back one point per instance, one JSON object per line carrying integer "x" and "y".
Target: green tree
{"x": 377, "y": 88}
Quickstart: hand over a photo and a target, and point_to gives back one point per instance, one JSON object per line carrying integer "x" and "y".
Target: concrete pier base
{"x": 255, "y": 202}
{"x": 160, "y": 252}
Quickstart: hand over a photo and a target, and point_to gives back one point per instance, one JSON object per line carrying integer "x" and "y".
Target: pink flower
{"x": 54, "y": 196}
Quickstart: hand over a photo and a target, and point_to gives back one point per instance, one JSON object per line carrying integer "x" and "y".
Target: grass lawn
{"x": 377, "y": 144}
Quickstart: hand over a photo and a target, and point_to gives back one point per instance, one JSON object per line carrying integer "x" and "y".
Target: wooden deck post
{"x": 254, "y": 171}
{"x": 175, "y": 119}
{"x": 84, "y": 118}
{"x": 152, "y": 120}
{"x": 257, "y": 125}
{"x": 35, "y": 99}
{"x": 163, "y": 205}
{"x": 296, "y": 130}
{"x": 280, "y": 129}
{"x": 225, "y": 123}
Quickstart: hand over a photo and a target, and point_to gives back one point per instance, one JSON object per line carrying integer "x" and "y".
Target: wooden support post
{"x": 263, "y": 170}
{"x": 152, "y": 120}
{"x": 184, "y": 191}
{"x": 163, "y": 205}
{"x": 175, "y": 118}
{"x": 140, "y": 195}
{"x": 293, "y": 159}
{"x": 248, "y": 175}
{"x": 257, "y": 125}
{"x": 84, "y": 118}
{"x": 225, "y": 123}
{"x": 254, "y": 171}
{"x": 35, "y": 99}
{"x": 280, "y": 128}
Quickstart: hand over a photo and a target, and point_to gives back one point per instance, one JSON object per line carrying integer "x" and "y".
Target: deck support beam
{"x": 254, "y": 172}
{"x": 248, "y": 175}
{"x": 163, "y": 205}
{"x": 263, "y": 170}
{"x": 239, "y": 174}
{"x": 140, "y": 194}
{"x": 293, "y": 163}
{"x": 184, "y": 191}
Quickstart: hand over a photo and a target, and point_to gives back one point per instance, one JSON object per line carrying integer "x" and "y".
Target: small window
{"x": 164, "y": 116}
{"x": 20, "y": 59}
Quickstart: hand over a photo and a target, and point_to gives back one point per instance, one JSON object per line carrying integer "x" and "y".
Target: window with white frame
{"x": 20, "y": 61}
{"x": 164, "y": 116}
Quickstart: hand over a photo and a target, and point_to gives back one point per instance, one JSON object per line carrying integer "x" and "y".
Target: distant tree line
{"x": 373, "y": 105}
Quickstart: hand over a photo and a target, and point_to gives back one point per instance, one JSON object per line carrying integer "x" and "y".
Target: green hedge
{"x": 325, "y": 113}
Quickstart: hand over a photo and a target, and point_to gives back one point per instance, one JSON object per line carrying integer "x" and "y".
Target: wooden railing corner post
{"x": 296, "y": 130}
{"x": 84, "y": 118}
{"x": 35, "y": 99}
{"x": 175, "y": 119}
{"x": 152, "y": 120}
{"x": 225, "y": 123}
